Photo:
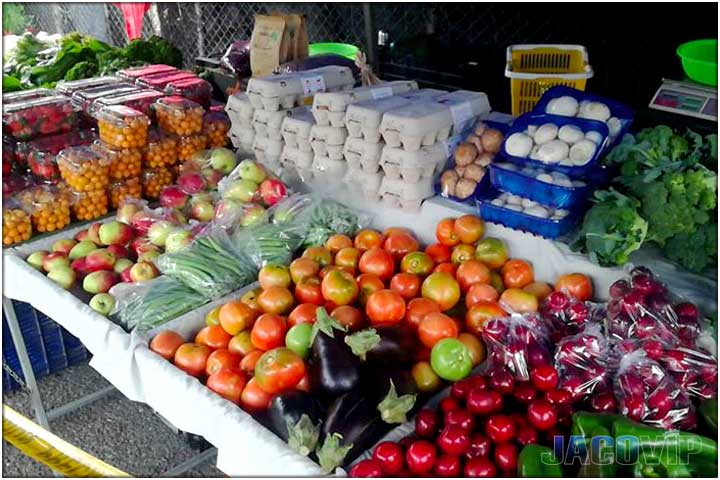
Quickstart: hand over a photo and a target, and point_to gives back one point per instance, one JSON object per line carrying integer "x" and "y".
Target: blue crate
{"x": 74, "y": 349}
{"x": 53, "y": 341}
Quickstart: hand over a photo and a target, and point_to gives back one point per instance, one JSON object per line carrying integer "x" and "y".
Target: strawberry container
{"x": 141, "y": 101}
{"x": 189, "y": 145}
{"x": 122, "y": 127}
{"x": 134, "y": 73}
{"x": 83, "y": 169}
{"x": 196, "y": 89}
{"x": 161, "y": 150}
{"x": 26, "y": 95}
{"x": 70, "y": 87}
{"x": 123, "y": 162}
{"x": 329, "y": 107}
{"x": 39, "y": 154}
{"x": 216, "y": 126}
{"x": 179, "y": 116}
{"x": 49, "y": 208}
{"x": 120, "y": 190}
{"x": 17, "y": 226}
{"x": 89, "y": 205}
{"x": 83, "y": 100}
{"x": 363, "y": 119}
{"x": 42, "y": 116}
{"x": 153, "y": 181}
{"x": 159, "y": 81}
{"x": 295, "y": 129}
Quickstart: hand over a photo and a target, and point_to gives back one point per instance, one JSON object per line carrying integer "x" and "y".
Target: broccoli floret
{"x": 695, "y": 251}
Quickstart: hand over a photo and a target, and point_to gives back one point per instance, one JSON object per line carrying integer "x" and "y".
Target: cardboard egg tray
{"x": 363, "y": 119}
{"x": 411, "y": 167}
{"x": 416, "y": 125}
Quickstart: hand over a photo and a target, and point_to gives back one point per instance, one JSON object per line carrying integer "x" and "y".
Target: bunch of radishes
{"x": 518, "y": 343}
{"x": 566, "y": 315}
{"x": 473, "y": 433}
{"x": 581, "y": 362}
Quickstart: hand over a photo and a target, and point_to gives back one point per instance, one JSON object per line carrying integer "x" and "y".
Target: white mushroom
{"x": 552, "y": 151}
{"x": 582, "y": 152}
{"x": 533, "y": 153}
{"x": 561, "y": 213}
{"x": 514, "y": 200}
{"x": 545, "y": 177}
{"x": 566, "y": 162}
{"x": 566, "y": 106}
{"x": 538, "y": 211}
{"x": 594, "y": 136}
{"x": 545, "y": 133}
{"x": 557, "y": 176}
{"x": 518, "y": 145}
{"x": 594, "y": 111}
{"x": 527, "y": 203}
{"x": 563, "y": 182}
{"x": 570, "y": 134}
{"x": 504, "y": 197}
{"x": 497, "y": 202}
{"x": 531, "y": 129}
{"x": 614, "y": 126}
{"x": 507, "y": 166}
{"x": 514, "y": 208}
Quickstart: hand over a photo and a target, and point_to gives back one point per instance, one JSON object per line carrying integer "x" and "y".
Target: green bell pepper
{"x": 684, "y": 444}
{"x": 600, "y": 461}
{"x": 537, "y": 461}
{"x": 709, "y": 413}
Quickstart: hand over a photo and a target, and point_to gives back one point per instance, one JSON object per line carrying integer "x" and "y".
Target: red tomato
{"x": 469, "y": 228}
{"x": 417, "y": 309}
{"x": 304, "y": 384}
{"x": 417, "y": 263}
{"x": 438, "y": 252}
{"x": 391, "y": 458}
{"x": 191, "y": 358}
{"x": 222, "y": 358}
{"x": 395, "y": 230}
{"x": 406, "y": 285}
{"x": 576, "y": 285}
{"x": 368, "y": 283}
{"x": 279, "y": 370}
{"x": 250, "y": 298}
{"x": 442, "y": 289}
{"x": 254, "y": 398}
{"x": 337, "y": 242}
{"x": 241, "y": 344}
{"x": 436, "y": 326}
{"x": 480, "y": 313}
{"x": 277, "y": 300}
{"x": 303, "y": 313}
{"x": 400, "y": 244}
{"x": 462, "y": 253}
{"x": 446, "y": 267}
{"x": 268, "y": 332}
{"x": 248, "y": 362}
{"x": 308, "y": 290}
{"x": 348, "y": 257}
{"x": 420, "y": 457}
{"x": 340, "y": 288}
{"x": 236, "y": 316}
{"x": 480, "y": 292}
{"x": 367, "y": 239}
{"x": 166, "y": 344}
{"x": 517, "y": 273}
{"x": 492, "y": 252}
{"x": 303, "y": 268}
{"x": 379, "y": 262}
{"x": 471, "y": 272}
{"x": 348, "y": 316}
{"x": 445, "y": 232}
{"x": 541, "y": 290}
{"x": 229, "y": 383}
{"x": 213, "y": 337}
{"x": 385, "y": 306}
{"x": 271, "y": 275}
{"x": 319, "y": 254}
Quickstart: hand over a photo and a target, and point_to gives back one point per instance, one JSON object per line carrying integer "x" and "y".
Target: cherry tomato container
{"x": 70, "y": 87}
{"x": 134, "y": 73}
{"x": 49, "y": 208}
{"x": 161, "y": 150}
{"x": 17, "y": 226}
{"x": 189, "y": 145}
{"x": 179, "y": 116}
{"x": 41, "y": 116}
{"x": 119, "y": 190}
{"x": 89, "y": 205}
{"x": 122, "y": 127}
{"x": 154, "y": 180}
{"x": 195, "y": 89}
{"x": 26, "y": 95}
{"x": 216, "y": 126}
{"x": 123, "y": 162}
{"x": 83, "y": 169}
{"x": 84, "y": 99}
{"x": 159, "y": 81}
{"x": 141, "y": 100}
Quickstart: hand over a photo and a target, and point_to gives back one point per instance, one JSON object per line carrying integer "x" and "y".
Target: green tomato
{"x": 297, "y": 339}
{"x": 451, "y": 359}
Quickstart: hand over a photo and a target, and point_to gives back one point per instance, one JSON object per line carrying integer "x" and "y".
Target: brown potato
{"x": 491, "y": 140}
{"x": 485, "y": 159}
{"x": 465, "y": 154}
{"x": 465, "y": 188}
{"x": 474, "y": 172}
{"x": 447, "y": 182}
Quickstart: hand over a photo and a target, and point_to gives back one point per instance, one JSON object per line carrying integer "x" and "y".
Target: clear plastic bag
{"x": 581, "y": 361}
{"x": 253, "y": 182}
{"x": 322, "y": 217}
{"x": 518, "y": 343}
{"x": 568, "y": 316}
{"x": 646, "y": 392}
{"x": 269, "y": 243}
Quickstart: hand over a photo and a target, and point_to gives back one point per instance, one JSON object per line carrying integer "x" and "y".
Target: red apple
{"x": 272, "y": 191}
{"x": 94, "y": 233}
{"x": 173, "y": 197}
{"x": 191, "y": 183}
{"x": 64, "y": 246}
{"x": 125, "y": 275}
{"x": 54, "y": 260}
{"x": 115, "y": 233}
{"x": 100, "y": 281}
{"x": 120, "y": 251}
{"x": 99, "y": 259}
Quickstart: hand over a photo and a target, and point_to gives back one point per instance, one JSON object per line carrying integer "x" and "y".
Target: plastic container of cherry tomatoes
{"x": 83, "y": 169}
{"x": 179, "y": 116}
{"x": 141, "y": 100}
{"x": 216, "y": 126}
{"x": 123, "y": 162}
{"x": 161, "y": 150}
{"x": 122, "y": 127}
{"x": 83, "y": 100}
{"x": 89, "y": 205}
{"x": 134, "y": 73}
{"x": 154, "y": 180}
{"x": 49, "y": 208}
{"x": 17, "y": 226}
{"x": 189, "y": 145}
{"x": 121, "y": 189}
{"x": 41, "y": 116}
{"x": 195, "y": 89}
{"x": 159, "y": 81}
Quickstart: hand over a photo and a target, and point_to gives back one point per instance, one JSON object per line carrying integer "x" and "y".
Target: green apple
{"x": 35, "y": 259}
{"x": 121, "y": 264}
{"x": 223, "y": 159}
{"x": 250, "y": 170}
{"x": 63, "y": 276}
{"x": 82, "y": 249}
{"x": 103, "y": 303}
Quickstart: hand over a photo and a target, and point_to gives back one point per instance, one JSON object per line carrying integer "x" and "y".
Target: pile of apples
{"x": 97, "y": 258}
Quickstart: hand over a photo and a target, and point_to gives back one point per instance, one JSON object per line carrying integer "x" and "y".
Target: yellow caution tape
{"x": 48, "y": 449}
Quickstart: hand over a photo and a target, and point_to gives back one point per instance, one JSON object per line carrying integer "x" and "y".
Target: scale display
{"x": 686, "y": 98}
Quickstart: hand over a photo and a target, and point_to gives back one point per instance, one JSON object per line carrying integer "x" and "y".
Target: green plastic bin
{"x": 699, "y": 60}
{"x": 344, "y": 49}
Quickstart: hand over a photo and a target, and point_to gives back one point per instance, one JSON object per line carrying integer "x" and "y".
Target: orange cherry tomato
{"x": 385, "y": 306}
{"x": 416, "y": 310}
{"x": 254, "y": 399}
{"x": 436, "y": 326}
{"x": 367, "y": 239}
{"x": 303, "y": 313}
{"x": 471, "y": 272}
{"x": 576, "y": 285}
{"x": 480, "y": 292}
{"x": 369, "y": 283}
{"x": 443, "y": 289}
{"x": 517, "y": 273}
{"x": 221, "y": 358}
{"x": 400, "y": 244}
{"x": 406, "y": 285}
{"x": 213, "y": 337}
{"x": 438, "y": 252}
{"x": 268, "y": 332}
{"x": 469, "y": 228}
{"x": 379, "y": 262}
{"x": 445, "y": 232}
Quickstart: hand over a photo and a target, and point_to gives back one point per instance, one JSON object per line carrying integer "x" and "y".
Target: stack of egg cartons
{"x": 329, "y": 134}
{"x": 297, "y": 152}
{"x": 268, "y": 144}
{"x": 240, "y": 111}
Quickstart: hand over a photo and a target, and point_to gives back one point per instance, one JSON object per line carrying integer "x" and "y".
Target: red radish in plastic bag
{"x": 518, "y": 343}
{"x": 581, "y": 363}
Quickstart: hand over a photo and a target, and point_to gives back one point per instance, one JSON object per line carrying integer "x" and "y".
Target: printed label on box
{"x": 378, "y": 93}
{"x": 312, "y": 85}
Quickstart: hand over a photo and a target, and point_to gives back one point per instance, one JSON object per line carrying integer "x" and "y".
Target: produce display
{"x": 179, "y": 116}
{"x": 41, "y": 116}
{"x": 122, "y": 127}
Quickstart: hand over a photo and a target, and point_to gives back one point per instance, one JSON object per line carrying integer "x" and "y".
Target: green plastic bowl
{"x": 699, "y": 60}
{"x": 344, "y": 49}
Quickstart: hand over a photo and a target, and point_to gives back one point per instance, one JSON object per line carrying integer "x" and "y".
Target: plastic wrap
{"x": 189, "y": 145}
{"x": 52, "y": 144}
{"x": 83, "y": 169}
{"x": 159, "y": 81}
{"x": 210, "y": 265}
{"x": 134, "y": 73}
{"x": 123, "y": 162}
{"x": 70, "y": 87}
{"x": 120, "y": 190}
{"x": 14, "y": 183}
{"x": 237, "y": 58}
{"x": 518, "y": 343}
{"x": 17, "y": 226}
{"x": 154, "y": 180}
{"x": 581, "y": 361}
{"x": 216, "y": 126}
{"x": 84, "y": 100}
{"x": 179, "y": 115}
{"x": 195, "y": 89}
{"x": 89, "y": 205}
{"x": 647, "y": 393}
{"x": 322, "y": 218}
{"x": 568, "y": 316}
{"x": 252, "y": 182}
{"x": 49, "y": 208}
{"x": 141, "y": 101}
{"x": 122, "y": 127}
{"x": 316, "y": 61}
{"x": 269, "y": 243}
{"x": 161, "y": 150}
{"x": 26, "y": 95}
{"x": 41, "y": 116}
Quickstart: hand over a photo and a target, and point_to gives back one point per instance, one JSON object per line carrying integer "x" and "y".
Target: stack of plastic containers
{"x": 83, "y": 100}
{"x": 183, "y": 118}
{"x": 40, "y": 155}
{"x": 70, "y": 87}
{"x": 132, "y": 74}
{"x": 216, "y": 126}
{"x": 297, "y": 152}
{"x": 141, "y": 100}
{"x": 241, "y": 111}
{"x": 195, "y": 89}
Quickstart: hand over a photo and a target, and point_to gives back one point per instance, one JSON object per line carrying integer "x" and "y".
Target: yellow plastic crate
{"x": 532, "y": 69}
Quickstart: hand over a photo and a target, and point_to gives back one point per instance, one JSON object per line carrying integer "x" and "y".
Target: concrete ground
{"x": 125, "y": 434}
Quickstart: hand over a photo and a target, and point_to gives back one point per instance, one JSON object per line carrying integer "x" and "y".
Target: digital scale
{"x": 687, "y": 98}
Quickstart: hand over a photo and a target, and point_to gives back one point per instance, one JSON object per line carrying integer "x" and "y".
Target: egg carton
{"x": 328, "y": 141}
{"x": 416, "y": 125}
{"x": 329, "y": 108}
{"x": 368, "y": 183}
{"x": 330, "y": 168}
{"x": 297, "y": 157}
{"x": 362, "y": 155}
{"x": 412, "y": 166}
{"x": 267, "y": 150}
{"x": 363, "y": 119}
{"x": 239, "y": 108}
{"x": 268, "y": 124}
{"x": 244, "y": 133}
{"x": 274, "y": 92}
{"x": 398, "y": 193}
{"x": 295, "y": 129}
{"x": 424, "y": 94}
{"x": 465, "y": 108}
